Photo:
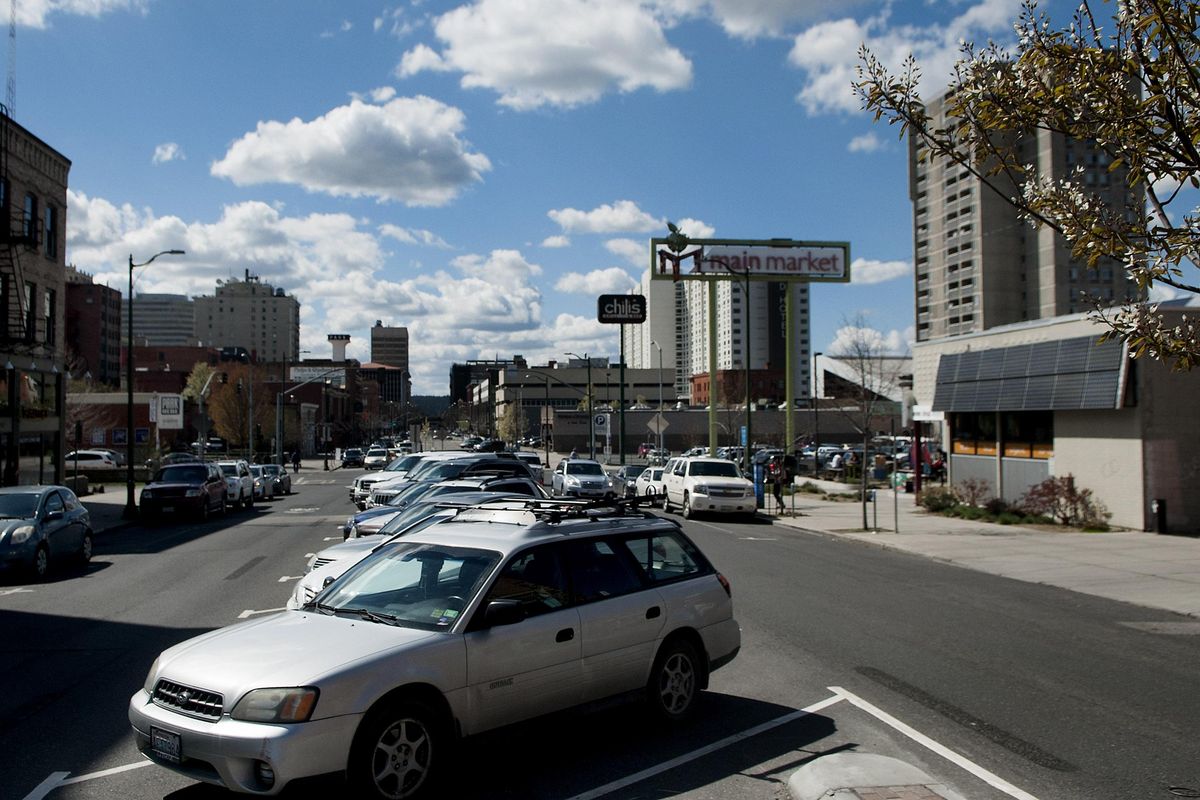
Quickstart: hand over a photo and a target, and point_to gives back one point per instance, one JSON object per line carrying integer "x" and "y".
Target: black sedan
{"x": 352, "y": 457}
{"x": 195, "y": 489}
{"x": 39, "y": 525}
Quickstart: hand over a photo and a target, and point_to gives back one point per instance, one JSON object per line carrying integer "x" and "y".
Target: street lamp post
{"x": 130, "y": 504}
{"x": 660, "y": 395}
{"x": 816, "y": 419}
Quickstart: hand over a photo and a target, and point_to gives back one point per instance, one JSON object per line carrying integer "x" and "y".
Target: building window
{"x": 30, "y": 311}
{"x": 49, "y": 299}
{"x": 51, "y": 237}
{"x": 29, "y": 219}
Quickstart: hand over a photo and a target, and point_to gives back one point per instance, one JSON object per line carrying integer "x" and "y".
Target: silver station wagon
{"x": 496, "y": 616}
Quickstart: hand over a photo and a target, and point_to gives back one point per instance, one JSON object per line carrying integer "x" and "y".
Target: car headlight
{"x": 148, "y": 684}
{"x": 700, "y": 488}
{"x": 291, "y": 704}
{"x": 570, "y": 481}
{"x": 21, "y": 534}
{"x": 188, "y": 493}
{"x": 147, "y": 493}
{"x": 608, "y": 482}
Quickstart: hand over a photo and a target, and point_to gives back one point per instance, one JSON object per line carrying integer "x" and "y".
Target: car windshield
{"x": 718, "y": 469}
{"x": 408, "y": 516}
{"x": 584, "y": 468}
{"x": 256, "y": 472}
{"x": 229, "y": 470}
{"x": 272, "y": 469}
{"x": 410, "y": 493}
{"x": 443, "y": 470}
{"x": 184, "y": 473}
{"x": 375, "y": 451}
{"x": 412, "y": 585}
{"x": 18, "y": 506}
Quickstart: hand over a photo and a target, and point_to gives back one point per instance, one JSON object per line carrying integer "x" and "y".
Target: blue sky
{"x": 478, "y": 172}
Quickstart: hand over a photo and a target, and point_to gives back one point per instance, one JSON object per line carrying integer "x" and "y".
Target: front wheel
{"x": 41, "y": 563}
{"x": 85, "y": 548}
{"x": 397, "y": 753}
{"x": 687, "y": 511}
{"x": 675, "y": 681}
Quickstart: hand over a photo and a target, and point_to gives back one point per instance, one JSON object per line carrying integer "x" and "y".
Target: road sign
{"x": 600, "y": 423}
{"x": 170, "y": 412}
{"x": 658, "y": 423}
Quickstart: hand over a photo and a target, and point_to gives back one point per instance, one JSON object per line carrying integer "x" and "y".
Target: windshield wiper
{"x": 370, "y": 616}
{"x": 319, "y": 606}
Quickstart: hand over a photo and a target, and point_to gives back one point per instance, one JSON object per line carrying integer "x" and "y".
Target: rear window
{"x": 665, "y": 557}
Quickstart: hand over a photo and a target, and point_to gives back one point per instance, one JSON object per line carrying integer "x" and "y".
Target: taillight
{"x": 725, "y": 584}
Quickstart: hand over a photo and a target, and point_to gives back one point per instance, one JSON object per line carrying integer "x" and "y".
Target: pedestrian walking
{"x": 295, "y": 461}
{"x": 776, "y": 474}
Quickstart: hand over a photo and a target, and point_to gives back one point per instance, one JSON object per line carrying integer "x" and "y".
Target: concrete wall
{"x": 1102, "y": 451}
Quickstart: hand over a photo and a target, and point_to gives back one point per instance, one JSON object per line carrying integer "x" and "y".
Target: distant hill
{"x": 431, "y": 405}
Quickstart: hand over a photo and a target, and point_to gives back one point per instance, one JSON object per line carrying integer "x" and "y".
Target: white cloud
{"x": 33, "y": 13}
{"x": 556, "y": 241}
{"x": 850, "y": 340}
{"x": 827, "y": 52}
{"x": 413, "y": 236}
{"x": 167, "y": 151}
{"x": 867, "y": 143}
{"x": 631, "y": 250}
{"x": 408, "y": 150}
{"x": 867, "y": 271}
{"x": 752, "y": 18}
{"x": 599, "y": 281}
{"x": 562, "y": 53}
{"x": 620, "y": 217}
{"x": 695, "y": 229}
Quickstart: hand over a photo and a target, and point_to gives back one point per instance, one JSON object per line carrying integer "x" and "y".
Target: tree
{"x": 197, "y": 378}
{"x": 510, "y": 426}
{"x": 876, "y": 376}
{"x": 229, "y": 403}
{"x": 1133, "y": 91}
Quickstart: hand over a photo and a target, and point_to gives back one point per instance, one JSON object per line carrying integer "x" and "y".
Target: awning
{"x": 1068, "y": 374}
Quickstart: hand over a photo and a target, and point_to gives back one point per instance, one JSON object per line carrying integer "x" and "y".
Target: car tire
{"x": 85, "y": 549}
{"x": 397, "y": 752}
{"x": 204, "y": 510}
{"x": 40, "y": 567}
{"x": 686, "y": 510}
{"x": 675, "y": 681}
{"x": 224, "y": 504}
{"x": 250, "y": 501}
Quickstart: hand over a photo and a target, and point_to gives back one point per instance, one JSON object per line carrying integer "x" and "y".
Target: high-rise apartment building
{"x": 251, "y": 314}
{"x": 164, "y": 320}
{"x": 677, "y": 319}
{"x": 93, "y": 329}
{"x": 979, "y": 264}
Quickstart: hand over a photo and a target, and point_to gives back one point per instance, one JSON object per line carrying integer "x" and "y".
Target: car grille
{"x": 379, "y": 498}
{"x": 719, "y": 492}
{"x": 186, "y": 700}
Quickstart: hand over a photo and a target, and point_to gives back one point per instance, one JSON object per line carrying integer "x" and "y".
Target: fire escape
{"x": 18, "y": 232}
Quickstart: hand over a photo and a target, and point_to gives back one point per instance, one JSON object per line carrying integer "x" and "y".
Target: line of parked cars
{"x": 466, "y": 612}
{"x": 189, "y": 487}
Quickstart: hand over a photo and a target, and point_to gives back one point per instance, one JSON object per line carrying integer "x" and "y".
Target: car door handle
{"x": 653, "y": 612}
{"x": 565, "y": 635}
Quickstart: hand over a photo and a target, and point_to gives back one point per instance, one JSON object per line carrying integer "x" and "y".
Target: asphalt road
{"x": 996, "y": 688}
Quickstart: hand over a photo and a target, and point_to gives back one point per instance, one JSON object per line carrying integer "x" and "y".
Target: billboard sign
{"x": 335, "y": 375}
{"x": 621, "y": 309}
{"x": 756, "y": 259}
{"x": 170, "y": 412}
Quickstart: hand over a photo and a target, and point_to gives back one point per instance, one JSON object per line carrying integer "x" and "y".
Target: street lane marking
{"x": 303, "y": 510}
{"x": 17, "y": 590}
{"x": 250, "y": 612}
{"x": 945, "y": 752}
{"x": 287, "y": 578}
{"x": 650, "y": 772}
{"x": 47, "y": 786}
{"x": 58, "y": 779}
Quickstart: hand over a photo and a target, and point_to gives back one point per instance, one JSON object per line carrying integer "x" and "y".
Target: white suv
{"x": 239, "y": 482}
{"x": 707, "y": 484}
{"x": 491, "y": 618}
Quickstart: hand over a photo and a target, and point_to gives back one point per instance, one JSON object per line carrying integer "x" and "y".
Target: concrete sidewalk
{"x": 1142, "y": 568}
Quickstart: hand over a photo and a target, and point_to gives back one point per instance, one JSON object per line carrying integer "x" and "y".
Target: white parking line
{"x": 58, "y": 779}
{"x": 943, "y": 751}
{"x": 650, "y": 772}
{"x": 16, "y": 590}
{"x": 287, "y": 578}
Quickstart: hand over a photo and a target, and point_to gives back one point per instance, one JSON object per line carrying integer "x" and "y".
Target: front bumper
{"x": 227, "y": 752}
{"x": 159, "y": 505}
{"x": 716, "y": 504}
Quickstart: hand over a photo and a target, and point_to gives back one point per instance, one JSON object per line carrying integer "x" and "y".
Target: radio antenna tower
{"x": 10, "y": 93}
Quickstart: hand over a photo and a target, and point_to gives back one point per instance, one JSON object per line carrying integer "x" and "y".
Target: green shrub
{"x": 996, "y": 506}
{"x": 1009, "y": 518}
{"x": 808, "y": 487}
{"x": 938, "y": 499}
{"x": 1062, "y": 500}
{"x": 972, "y": 512}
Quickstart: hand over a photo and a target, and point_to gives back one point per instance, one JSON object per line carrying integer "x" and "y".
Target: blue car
{"x": 41, "y": 525}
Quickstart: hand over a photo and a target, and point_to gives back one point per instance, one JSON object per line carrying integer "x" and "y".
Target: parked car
{"x": 581, "y": 477}
{"x": 41, "y": 525}
{"x": 239, "y": 482}
{"x": 534, "y": 462}
{"x": 194, "y": 489}
{"x": 91, "y": 459}
{"x": 479, "y": 465}
{"x": 495, "y": 617}
{"x": 649, "y": 484}
{"x": 352, "y": 457}
{"x": 623, "y": 480}
{"x": 178, "y": 458}
{"x": 707, "y": 484}
{"x": 264, "y": 484}
{"x": 376, "y": 458}
{"x": 469, "y": 442}
{"x": 283, "y": 480}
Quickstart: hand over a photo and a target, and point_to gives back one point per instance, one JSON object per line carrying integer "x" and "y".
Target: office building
{"x": 93, "y": 329}
{"x": 389, "y": 345}
{"x": 250, "y": 314}
{"x": 164, "y": 320}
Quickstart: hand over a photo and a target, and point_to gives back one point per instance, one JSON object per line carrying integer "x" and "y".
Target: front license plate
{"x": 168, "y": 509}
{"x": 166, "y": 745}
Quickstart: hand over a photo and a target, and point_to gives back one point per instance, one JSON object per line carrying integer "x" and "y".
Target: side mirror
{"x": 328, "y": 580}
{"x": 503, "y": 612}
{"x": 52, "y": 516}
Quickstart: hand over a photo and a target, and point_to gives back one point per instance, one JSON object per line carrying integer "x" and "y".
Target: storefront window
{"x": 1023, "y": 434}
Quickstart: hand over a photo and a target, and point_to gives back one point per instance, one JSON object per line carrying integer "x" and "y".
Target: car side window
{"x": 680, "y": 468}
{"x": 54, "y": 502}
{"x": 535, "y": 579}
{"x": 664, "y": 557}
{"x": 69, "y": 500}
{"x": 599, "y": 572}
{"x": 515, "y": 487}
